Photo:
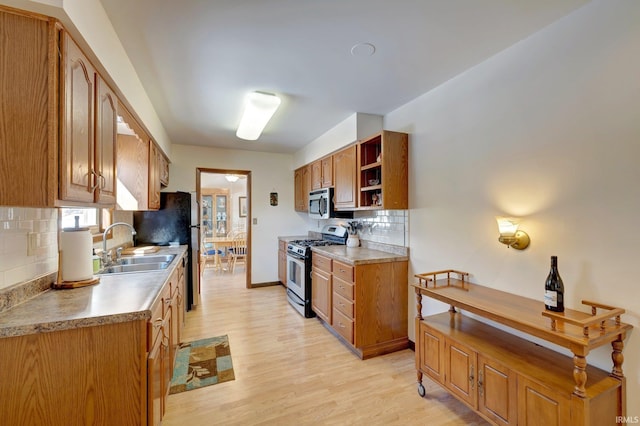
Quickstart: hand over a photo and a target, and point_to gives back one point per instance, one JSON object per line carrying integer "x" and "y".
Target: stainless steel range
{"x": 299, "y": 266}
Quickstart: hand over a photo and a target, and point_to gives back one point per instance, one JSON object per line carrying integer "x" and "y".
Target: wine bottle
{"x": 554, "y": 289}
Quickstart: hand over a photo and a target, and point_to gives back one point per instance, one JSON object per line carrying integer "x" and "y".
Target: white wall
{"x": 269, "y": 173}
{"x": 548, "y": 130}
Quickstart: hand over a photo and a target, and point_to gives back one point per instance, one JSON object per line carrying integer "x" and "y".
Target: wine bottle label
{"x": 551, "y": 298}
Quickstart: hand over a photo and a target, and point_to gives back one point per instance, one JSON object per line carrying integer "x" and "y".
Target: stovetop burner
{"x": 331, "y": 235}
{"x": 310, "y": 243}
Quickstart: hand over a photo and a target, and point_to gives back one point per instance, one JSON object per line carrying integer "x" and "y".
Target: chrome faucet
{"x": 105, "y": 255}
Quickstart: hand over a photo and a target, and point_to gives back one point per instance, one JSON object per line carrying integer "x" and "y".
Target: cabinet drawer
{"x": 343, "y": 288}
{"x": 320, "y": 262}
{"x": 343, "y": 325}
{"x": 343, "y": 271}
{"x": 343, "y": 305}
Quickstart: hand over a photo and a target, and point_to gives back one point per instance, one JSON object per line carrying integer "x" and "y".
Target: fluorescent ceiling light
{"x": 232, "y": 178}
{"x": 258, "y": 109}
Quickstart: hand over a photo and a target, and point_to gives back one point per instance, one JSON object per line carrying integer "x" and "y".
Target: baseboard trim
{"x": 265, "y": 284}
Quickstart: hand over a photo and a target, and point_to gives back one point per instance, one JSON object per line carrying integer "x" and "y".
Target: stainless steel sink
{"x": 134, "y": 260}
{"x": 135, "y": 267}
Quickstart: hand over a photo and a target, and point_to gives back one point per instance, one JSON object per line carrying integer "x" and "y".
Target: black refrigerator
{"x": 175, "y": 222}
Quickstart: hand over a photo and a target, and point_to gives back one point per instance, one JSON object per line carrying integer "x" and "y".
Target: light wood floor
{"x": 291, "y": 371}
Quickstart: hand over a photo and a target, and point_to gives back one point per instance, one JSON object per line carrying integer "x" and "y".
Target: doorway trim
{"x": 247, "y": 173}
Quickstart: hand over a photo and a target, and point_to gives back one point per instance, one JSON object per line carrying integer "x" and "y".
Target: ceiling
{"x": 197, "y": 59}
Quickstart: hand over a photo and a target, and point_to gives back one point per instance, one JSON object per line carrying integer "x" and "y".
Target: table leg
{"x": 580, "y": 375}
{"x": 617, "y": 358}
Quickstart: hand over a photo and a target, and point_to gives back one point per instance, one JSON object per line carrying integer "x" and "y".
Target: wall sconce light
{"x": 231, "y": 178}
{"x": 258, "y": 110}
{"x": 510, "y": 234}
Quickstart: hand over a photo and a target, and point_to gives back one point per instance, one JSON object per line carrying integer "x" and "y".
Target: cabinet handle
{"x": 96, "y": 184}
{"x": 471, "y": 377}
{"x": 480, "y": 385}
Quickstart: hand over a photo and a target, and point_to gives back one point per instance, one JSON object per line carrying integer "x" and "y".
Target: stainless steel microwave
{"x": 321, "y": 205}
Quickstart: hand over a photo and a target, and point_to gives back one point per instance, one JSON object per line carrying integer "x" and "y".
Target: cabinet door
{"x": 76, "y": 162}
{"x": 344, "y": 168}
{"x": 302, "y": 183}
{"x": 154, "y": 177}
{"x": 461, "y": 369}
{"x": 540, "y": 406}
{"x": 327, "y": 172}
{"x": 106, "y": 142}
{"x": 154, "y": 384}
{"x": 164, "y": 170}
{"x": 321, "y": 295}
{"x": 282, "y": 267}
{"x": 431, "y": 352}
{"x": 167, "y": 358}
{"x": 316, "y": 175}
{"x": 497, "y": 392}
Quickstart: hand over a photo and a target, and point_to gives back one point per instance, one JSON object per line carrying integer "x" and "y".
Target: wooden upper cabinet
{"x": 327, "y": 171}
{"x": 302, "y": 185}
{"x": 133, "y": 174}
{"x": 106, "y": 142}
{"x": 88, "y": 143}
{"x": 77, "y": 144}
{"x": 154, "y": 176}
{"x": 383, "y": 178}
{"x": 322, "y": 173}
{"x": 344, "y": 174}
{"x": 164, "y": 169}
{"x": 316, "y": 175}
{"x": 28, "y": 110}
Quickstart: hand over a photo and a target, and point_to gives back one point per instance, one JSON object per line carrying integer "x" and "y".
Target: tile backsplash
{"x": 17, "y": 226}
{"x": 381, "y": 226}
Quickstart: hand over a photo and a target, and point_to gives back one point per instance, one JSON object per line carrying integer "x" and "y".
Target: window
{"x": 89, "y": 217}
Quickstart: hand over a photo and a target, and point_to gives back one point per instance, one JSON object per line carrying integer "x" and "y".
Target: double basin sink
{"x": 139, "y": 264}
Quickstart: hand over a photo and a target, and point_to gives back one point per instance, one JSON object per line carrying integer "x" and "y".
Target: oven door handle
{"x": 294, "y": 298}
{"x": 296, "y": 257}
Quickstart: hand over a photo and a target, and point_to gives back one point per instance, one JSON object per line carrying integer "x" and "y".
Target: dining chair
{"x": 238, "y": 251}
{"x": 208, "y": 256}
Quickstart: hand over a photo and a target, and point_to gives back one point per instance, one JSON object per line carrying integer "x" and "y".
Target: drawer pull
{"x": 471, "y": 377}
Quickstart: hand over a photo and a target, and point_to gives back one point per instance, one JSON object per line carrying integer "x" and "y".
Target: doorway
{"x": 224, "y": 198}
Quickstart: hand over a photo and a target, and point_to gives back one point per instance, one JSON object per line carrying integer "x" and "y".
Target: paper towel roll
{"x": 75, "y": 248}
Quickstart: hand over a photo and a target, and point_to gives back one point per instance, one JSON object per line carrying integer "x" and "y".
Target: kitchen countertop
{"x": 358, "y": 255}
{"x": 117, "y": 298}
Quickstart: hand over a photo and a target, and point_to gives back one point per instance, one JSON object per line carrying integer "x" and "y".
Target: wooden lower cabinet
{"x": 497, "y": 390}
{"x": 364, "y": 304}
{"x": 282, "y": 262}
{"x": 115, "y": 374}
{"x": 540, "y": 406}
{"x": 460, "y": 371}
{"x": 321, "y": 287}
{"x": 81, "y": 376}
{"x": 509, "y": 380}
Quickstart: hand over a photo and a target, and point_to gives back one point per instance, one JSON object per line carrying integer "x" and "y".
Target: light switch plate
{"x": 255, "y": 220}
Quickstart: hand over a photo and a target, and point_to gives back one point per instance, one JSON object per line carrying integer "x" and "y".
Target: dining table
{"x": 220, "y": 245}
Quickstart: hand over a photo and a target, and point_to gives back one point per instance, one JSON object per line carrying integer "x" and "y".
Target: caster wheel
{"x": 421, "y": 390}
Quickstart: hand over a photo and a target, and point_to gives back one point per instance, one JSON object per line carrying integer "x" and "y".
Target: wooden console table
{"x": 580, "y": 332}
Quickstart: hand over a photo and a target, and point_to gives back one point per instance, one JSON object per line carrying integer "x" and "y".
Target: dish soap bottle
{"x": 96, "y": 262}
{"x": 554, "y": 289}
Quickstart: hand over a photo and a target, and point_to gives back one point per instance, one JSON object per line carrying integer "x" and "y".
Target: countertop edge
{"x": 358, "y": 255}
{"x": 42, "y": 325}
